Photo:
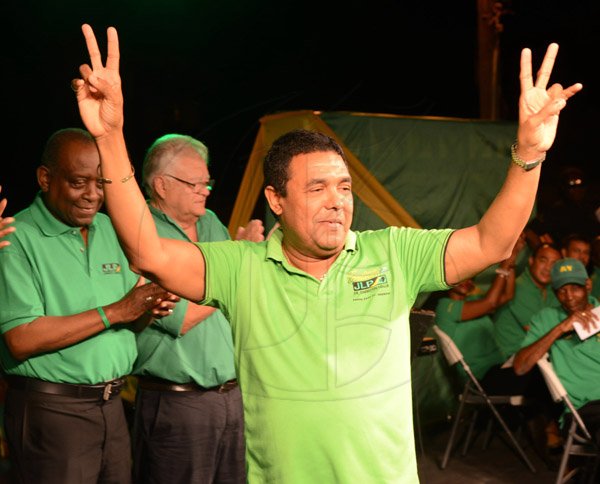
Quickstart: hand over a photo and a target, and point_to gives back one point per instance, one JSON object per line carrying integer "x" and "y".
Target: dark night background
{"x": 211, "y": 69}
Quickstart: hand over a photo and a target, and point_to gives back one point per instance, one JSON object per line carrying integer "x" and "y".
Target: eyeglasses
{"x": 196, "y": 187}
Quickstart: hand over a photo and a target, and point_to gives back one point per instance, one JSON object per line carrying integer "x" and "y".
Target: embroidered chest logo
{"x": 369, "y": 280}
{"x": 111, "y": 268}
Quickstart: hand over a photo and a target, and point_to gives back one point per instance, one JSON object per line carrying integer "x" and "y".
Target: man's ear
{"x": 588, "y": 285}
{"x": 158, "y": 186}
{"x": 43, "y": 178}
{"x": 274, "y": 200}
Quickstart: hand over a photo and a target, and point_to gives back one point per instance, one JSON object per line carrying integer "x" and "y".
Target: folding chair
{"x": 579, "y": 441}
{"x": 474, "y": 394}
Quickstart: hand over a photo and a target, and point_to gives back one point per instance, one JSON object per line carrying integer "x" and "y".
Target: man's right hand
{"x": 99, "y": 93}
{"x": 141, "y": 299}
{"x": 254, "y": 231}
{"x": 586, "y": 317}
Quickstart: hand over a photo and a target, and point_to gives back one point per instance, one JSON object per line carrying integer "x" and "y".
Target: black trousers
{"x": 57, "y": 439}
{"x": 194, "y": 437}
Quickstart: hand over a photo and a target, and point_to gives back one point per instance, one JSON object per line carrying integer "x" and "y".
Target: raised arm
{"x": 487, "y": 304}
{"x": 175, "y": 265}
{"x": 472, "y": 249}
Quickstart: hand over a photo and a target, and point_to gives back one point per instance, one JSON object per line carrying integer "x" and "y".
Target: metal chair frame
{"x": 474, "y": 394}
{"x": 579, "y": 442}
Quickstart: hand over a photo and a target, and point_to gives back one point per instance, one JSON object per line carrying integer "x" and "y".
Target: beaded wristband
{"x": 526, "y": 165}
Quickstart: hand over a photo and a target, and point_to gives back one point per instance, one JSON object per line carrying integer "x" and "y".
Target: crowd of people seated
{"x": 494, "y": 323}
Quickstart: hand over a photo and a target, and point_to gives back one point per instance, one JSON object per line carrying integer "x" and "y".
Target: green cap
{"x": 568, "y": 271}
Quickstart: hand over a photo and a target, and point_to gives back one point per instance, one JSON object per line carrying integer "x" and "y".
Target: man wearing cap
{"x": 576, "y": 361}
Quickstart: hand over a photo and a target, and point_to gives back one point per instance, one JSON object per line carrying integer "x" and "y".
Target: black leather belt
{"x": 102, "y": 391}
{"x": 160, "y": 385}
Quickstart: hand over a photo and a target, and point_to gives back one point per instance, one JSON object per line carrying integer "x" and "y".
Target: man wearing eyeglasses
{"x": 189, "y": 417}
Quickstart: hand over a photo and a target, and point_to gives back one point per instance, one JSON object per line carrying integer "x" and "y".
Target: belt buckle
{"x": 107, "y": 392}
{"x": 225, "y": 387}
{"x": 108, "y": 389}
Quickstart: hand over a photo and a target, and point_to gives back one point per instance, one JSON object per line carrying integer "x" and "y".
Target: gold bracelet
{"x": 123, "y": 180}
{"x": 130, "y": 176}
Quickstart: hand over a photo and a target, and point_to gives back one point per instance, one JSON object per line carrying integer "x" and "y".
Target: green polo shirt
{"x": 474, "y": 338}
{"x": 576, "y": 362}
{"x": 511, "y": 319}
{"x": 48, "y": 271}
{"x": 205, "y": 354}
{"x": 324, "y": 366}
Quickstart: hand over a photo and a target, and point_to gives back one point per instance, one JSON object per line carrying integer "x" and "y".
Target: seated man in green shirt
{"x": 575, "y": 360}
{"x": 320, "y": 313}
{"x": 578, "y": 247}
{"x": 532, "y": 293}
{"x": 5, "y": 222}
{"x": 465, "y": 315}
{"x": 188, "y": 403}
{"x": 67, "y": 297}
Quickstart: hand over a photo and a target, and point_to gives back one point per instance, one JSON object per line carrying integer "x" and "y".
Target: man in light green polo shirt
{"x": 67, "y": 294}
{"x": 320, "y": 313}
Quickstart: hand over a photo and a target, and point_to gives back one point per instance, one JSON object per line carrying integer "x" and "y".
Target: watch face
{"x": 526, "y": 165}
{"x": 531, "y": 165}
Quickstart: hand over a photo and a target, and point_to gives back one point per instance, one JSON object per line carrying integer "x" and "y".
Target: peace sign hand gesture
{"x": 98, "y": 90}
{"x": 540, "y": 106}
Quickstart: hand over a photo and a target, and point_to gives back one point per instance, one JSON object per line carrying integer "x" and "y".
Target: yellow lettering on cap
{"x": 566, "y": 268}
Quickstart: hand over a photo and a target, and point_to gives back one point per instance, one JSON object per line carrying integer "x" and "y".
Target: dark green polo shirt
{"x": 474, "y": 337}
{"x": 205, "y": 353}
{"x": 511, "y": 319}
{"x": 48, "y": 271}
{"x": 576, "y": 362}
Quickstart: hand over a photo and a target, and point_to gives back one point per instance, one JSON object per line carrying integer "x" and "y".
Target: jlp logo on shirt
{"x": 369, "y": 283}
{"x": 111, "y": 268}
{"x": 366, "y": 279}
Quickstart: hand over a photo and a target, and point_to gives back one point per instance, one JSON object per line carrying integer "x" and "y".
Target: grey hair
{"x": 163, "y": 151}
